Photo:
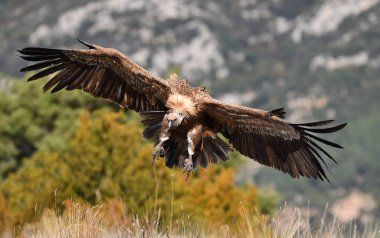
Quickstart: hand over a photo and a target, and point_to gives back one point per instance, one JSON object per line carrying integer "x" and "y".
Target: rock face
{"x": 357, "y": 205}
{"x": 206, "y": 39}
{"x": 318, "y": 58}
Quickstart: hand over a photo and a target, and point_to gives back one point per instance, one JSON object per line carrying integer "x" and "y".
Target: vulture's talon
{"x": 162, "y": 152}
{"x": 188, "y": 166}
{"x": 157, "y": 153}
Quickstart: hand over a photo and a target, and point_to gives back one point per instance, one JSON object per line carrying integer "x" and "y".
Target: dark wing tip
{"x": 86, "y": 44}
{"x": 313, "y": 124}
{"x": 22, "y": 51}
{"x": 323, "y": 130}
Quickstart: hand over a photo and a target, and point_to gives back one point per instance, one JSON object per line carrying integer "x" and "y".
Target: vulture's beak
{"x": 170, "y": 124}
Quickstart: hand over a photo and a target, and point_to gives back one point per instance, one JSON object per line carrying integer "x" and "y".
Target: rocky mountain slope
{"x": 318, "y": 58}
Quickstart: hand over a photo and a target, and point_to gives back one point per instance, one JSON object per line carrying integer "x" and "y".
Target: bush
{"x": 34, "y": 121}
{"x": 107, "y": 159}
{"x": 3, "y": 212}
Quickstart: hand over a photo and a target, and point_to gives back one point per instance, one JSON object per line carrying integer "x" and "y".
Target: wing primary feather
{"x": 322, "y": 150}
{"x": 40, "y": 51}
{"x": 322, "y": 140}
{"x": 39, "y": 57}
{"x": 312, "y": 124}
{"x": 325, "y": 130}
{"x": 46, "y": 72}
{"x": 315, "y": 152}
{"x": 41, "y": 65}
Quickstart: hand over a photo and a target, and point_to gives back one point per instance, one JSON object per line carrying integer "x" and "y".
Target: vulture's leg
{"x": 158, "y": 149}
{"x": 193, "y": 138}
{"x": 188, "y": 165}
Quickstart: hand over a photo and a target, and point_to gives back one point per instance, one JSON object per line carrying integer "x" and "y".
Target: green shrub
{"x": 106, "y": 159}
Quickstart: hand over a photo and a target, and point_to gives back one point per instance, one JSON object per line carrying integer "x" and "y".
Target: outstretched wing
{"x": 270, "y": 140}
{"x": 102, "y": 72}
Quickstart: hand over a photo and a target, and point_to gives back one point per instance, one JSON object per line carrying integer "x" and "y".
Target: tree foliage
{"x": 32, "y": 120}
{"x": 106, "y": 158}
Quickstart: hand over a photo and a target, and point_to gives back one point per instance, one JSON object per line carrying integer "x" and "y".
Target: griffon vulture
{"x": 184, "y": 121}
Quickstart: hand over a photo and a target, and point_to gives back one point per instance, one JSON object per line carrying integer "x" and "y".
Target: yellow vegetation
{"x": 107, "y": 159}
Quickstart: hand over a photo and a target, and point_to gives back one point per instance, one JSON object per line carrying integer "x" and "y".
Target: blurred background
{"x": 319, "y": 59}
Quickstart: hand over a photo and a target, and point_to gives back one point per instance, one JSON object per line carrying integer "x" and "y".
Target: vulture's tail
{"x": 213, "y": 150}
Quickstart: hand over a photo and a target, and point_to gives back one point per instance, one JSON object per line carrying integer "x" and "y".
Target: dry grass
{"x": 81, "y": 221}
{"x": 289, "y": 222}
{"x": 84, "y": 221}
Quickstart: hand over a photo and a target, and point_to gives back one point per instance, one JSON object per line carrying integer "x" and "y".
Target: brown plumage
{"x": 184, "y": 121}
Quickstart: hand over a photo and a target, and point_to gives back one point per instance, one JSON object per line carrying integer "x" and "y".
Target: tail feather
{"x": 213, "y": 149}
{"x": 203, "y": 159}
{"x": 172, "y": 153}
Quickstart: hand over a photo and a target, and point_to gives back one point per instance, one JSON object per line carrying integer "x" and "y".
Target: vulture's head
{"x": 180, "y": 108}
{"x": 174, "y": 118}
